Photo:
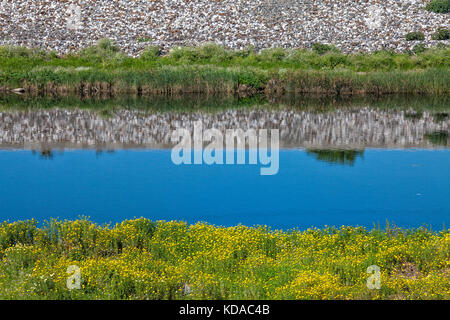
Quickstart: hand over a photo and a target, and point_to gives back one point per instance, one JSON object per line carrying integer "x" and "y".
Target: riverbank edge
{"x": 231, "y": 81}
{"x": 103, "y": 69}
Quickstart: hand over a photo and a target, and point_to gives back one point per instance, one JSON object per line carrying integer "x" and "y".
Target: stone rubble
{"x": 352, "y": 128}
{"x": 351, "y": 25}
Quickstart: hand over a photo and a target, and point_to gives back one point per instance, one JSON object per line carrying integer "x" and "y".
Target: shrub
{"x": 214, "y": 53}
{"x": 332, "y": 60}
{"x": 321, "y": 48}
{"x": 413, "y": 36}
{"x": 102, "y": 50}
{"x": 441, "y": 34}
{"x": 19, "y": 257}
{"x": 419, "y": 48}
{"x": 209, "y": 52}
{"x": 151, "y": 53}
{"x": 22, "y": 52}
{"x": 244, "y": 53}
{"x": 107, "y": 46}
{"x": 140, "y": 40}
{"x": 272, "y": 54}
{"x": 439, "y": 6}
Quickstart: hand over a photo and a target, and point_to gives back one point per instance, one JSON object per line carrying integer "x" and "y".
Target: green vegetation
{"x": 344, "y": 157}
{"x": 439, "y": 6}
{"x": 141, "y": 259}
{"x": 321, "y": 49}
{"x": 151, "y": 53}
{"x": 441, "y": 34}
{"x": 211, "y": 69}
{"x": 415, "y": 36}
{"x": 144, "y": 39}
{"x": 419, "y": 48}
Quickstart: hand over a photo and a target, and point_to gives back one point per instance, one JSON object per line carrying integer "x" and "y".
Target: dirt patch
{"x": 408, "y": 270}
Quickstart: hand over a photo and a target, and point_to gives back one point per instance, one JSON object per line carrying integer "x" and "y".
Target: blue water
{"x": 408, "y": 188}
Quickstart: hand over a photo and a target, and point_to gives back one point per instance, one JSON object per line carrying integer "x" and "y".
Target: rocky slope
{"x": 352, "y": 25}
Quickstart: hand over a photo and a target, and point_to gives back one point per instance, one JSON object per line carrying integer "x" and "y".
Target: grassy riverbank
{"x": 212, "y": 69}
{"x": 140, "y": 259}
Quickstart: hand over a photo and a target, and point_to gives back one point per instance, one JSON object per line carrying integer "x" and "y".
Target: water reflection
{"x": 344, "y": 157}
{"x": 46, "y": 154}
{"x": 441, "y": 116}
{"x": 394, "y": 122}
{"x": 439, "y": 138}
{"x": 214, "y": 103}
{"x": 355, "y": 128}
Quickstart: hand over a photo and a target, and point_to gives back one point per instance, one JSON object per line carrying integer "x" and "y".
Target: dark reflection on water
{"x": 441, "y": 116}
{"x": 212, "y": 103}
{"x": 46, "y": 154}
{"x": 439, "y": 138}
{"x": 344, "y": 157}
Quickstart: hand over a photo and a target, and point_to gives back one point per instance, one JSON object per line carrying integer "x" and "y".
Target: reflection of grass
{"x": 439, "y": 138}
{"x": 346, "y": 157}
{"x": 140, "y": 259}
{"x": 210, "y": 103}
{"x": 413, "y": 115}
{"x": 441, "y": 116}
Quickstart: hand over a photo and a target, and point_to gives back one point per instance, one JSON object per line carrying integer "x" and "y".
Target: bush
{"x": 151, "y": 53}
{"x": 333, "y": 60}
{"x": 272, "y": 54}
{"x": 419, "y": 48}
{"x": 140, "y": 40}
{"x": 439, "y": 6}
{"x": 321, "y": 48}
{"x": 106, "y": 46}
{"x": 209, "y": 52}
{"x": 104, "y": 49}
{"x": 413, "y": 36}
{"x": 441, "y": 34}
{"x": 22, "y": 52}
{"x": 214, "y": 53}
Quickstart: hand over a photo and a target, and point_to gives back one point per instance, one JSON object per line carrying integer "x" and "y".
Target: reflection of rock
{"x": 350, "y": 129}
{"x": 336, "y": 156}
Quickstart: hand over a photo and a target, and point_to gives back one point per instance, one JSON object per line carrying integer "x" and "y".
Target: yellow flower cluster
{"x": 141, "y": 259}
